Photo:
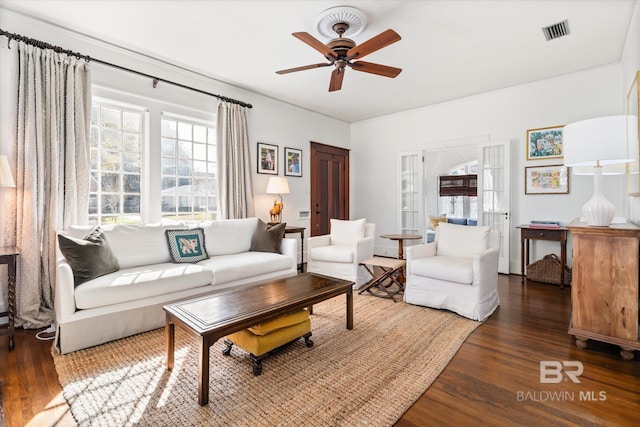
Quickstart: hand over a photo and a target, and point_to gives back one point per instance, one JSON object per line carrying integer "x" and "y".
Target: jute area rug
{"x": 367, "y": 376}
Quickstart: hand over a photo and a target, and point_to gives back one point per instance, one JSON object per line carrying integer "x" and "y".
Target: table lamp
{"x": 599, "y": 143}
{"x": 277, "y": 185}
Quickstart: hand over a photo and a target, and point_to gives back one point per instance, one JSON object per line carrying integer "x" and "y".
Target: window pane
{"x": 93, "y": 185}
{"x": 168, "y": 147}
{"x": 131, "y": 142}
{"x": 110, "y": 204}
{"x": 169, "y": 128}
{"x": 131, "y": 122}
{"x": 131, "y": 204}
{"x": 94, "y": 159}
{"x": 184, "y": 167}
{"x": 110, "y": 118}
{"x": 184, "y": 182}
{"x": 184, "y": 149}
{"x": 184, "y": 204}
{"x": 199, "y": 152}
{"x": 110, "y": 161}
{"x": 184, "y": 131}
{"x": 131, "y": 183}
{"x": 168, "y": 204}
{"x": 131, "y": 162}
{"x": 168, "y": 183}
{"x": 110, "y": 183}
{"x": 94, "y": 136}
{"x": 200, "y": 187}
{"x": 93, "y": 204}
{"x": 199, "y": 168}
{"x": 168, "y": 166}
{"x": 95, "y": 114}
{"x": 111, "y": 139}
{"x": 199, "y": 134}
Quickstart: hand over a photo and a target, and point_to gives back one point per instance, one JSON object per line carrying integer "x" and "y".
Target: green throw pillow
{"x": 186, "y": 245}
{"x": 89, "y": 257}
{"x": 267, "y": 238}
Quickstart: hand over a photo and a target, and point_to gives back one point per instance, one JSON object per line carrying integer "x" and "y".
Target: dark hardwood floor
{"x": 493, "y": 380}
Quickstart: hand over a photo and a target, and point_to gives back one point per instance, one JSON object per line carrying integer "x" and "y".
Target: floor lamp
{"x": 599, "y": 143}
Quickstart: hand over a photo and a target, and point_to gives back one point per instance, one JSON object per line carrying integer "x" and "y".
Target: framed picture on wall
{"x": 551, "y": 179}
{"x": 292, "y": 161}
{"x": 544, "y": 143}
{"x": 267, "y": 158}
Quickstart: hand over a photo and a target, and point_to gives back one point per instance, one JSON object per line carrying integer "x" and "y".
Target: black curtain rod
{"x": 44, "y": 45}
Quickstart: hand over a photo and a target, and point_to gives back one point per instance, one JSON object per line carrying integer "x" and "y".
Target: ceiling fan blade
{"x": 304, "y": 67}
{"x": 376, "y": 43}
{"x": 316, "y": 44}
{"x": 370, "y": 67}
{"x": 336, "y": 79}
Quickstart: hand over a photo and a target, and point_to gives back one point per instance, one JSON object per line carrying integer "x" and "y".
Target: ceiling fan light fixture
{"x": 354, "y": 18}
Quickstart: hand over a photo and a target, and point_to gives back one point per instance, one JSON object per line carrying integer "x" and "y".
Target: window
{"x": 189, "y": 187}
{"x": 458, "y": 191}
{"x": 116, "y": 164}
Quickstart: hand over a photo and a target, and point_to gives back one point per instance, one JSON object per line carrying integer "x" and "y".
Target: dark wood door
{"x": 329, "y": 186}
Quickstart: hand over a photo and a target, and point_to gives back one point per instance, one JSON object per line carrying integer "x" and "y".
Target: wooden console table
{"x": 292, "y": 229}
{"x": 556, "y": 234}
{"x": 9, "y": 256}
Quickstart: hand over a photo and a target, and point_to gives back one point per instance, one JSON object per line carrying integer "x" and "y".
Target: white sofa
{"x": 130, "y": 300}
{"x": 458, "y": 271}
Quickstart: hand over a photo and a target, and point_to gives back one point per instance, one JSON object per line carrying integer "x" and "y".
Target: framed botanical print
{"x": 267, "y": 158}
{"x": 544, "y": 143}
{"x": 292, "y": 162}
{"x": 551, "y": 179}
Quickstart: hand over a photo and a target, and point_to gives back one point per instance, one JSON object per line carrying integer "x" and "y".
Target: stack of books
{"x": 544, "y": 224}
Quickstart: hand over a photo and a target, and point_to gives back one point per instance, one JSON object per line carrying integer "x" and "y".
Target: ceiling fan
{"x": 342, "y": 52}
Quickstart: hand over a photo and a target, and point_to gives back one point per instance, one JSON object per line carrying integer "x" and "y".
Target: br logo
{"x": 554, "y": 371}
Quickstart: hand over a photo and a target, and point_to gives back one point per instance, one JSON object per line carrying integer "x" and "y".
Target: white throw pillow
{"x": 229, "y": 236}
{"x": 461, "y": 240}
{"x": 347, "y": 232}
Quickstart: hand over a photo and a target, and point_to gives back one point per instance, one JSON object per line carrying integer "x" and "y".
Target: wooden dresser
{"x": 604, "y": 292}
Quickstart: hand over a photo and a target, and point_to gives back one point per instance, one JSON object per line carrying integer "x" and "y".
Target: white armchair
{"x": 340, "y": 253}
{"x": 458, "y": 271}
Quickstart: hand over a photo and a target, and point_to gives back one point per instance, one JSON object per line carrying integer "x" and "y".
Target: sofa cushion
{"x": 347, "y": 232}
{"x": 447, "y": 268}
{"x": 228, "y": 268}
{"x": 229, "y": 236}
{"x": 140, "y": 282}
{"x": 267, "y": 238}
{"x": 139, "y": 245}
{"x": 434, "y": 221}
{"x": 89, "y": 257}
{"x": 186, "y": 245}
{"x": 459, "y": 221}
{"x": 460, "y": 240}
{"x": 332, "y": 253}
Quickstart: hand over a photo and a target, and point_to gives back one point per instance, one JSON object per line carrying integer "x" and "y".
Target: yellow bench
{"x": 265, "y": 338}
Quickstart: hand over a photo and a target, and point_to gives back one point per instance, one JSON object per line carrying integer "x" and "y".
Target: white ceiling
{"x": 449, "y": 49}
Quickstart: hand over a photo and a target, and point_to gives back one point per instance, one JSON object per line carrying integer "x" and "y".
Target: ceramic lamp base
{"x": 598, "y": 211}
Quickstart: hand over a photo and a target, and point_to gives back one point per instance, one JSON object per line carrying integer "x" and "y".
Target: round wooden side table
{"x": 401, "y": 238}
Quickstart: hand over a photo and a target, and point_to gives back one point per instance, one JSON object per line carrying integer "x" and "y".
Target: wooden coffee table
{"x": 215, "y": 316}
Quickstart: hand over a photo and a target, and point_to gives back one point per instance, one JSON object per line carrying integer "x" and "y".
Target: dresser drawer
{"x": 541, "y": 234}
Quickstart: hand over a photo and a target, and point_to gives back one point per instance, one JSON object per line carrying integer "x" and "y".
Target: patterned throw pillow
{"x": 436, "y": 220}
{"x": 186, "y": 245}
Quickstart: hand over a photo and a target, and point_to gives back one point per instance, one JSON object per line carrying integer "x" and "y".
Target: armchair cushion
{"x": 346, "y": 232}
{"x": 461, "y": 241}
{"x": 333, "y": 253}
{"x": 447, "y": 268}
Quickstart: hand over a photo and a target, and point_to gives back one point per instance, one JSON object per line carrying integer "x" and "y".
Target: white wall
{"x": 270, "y": 121}
{"x": 504, "y": 114}
{"x": 630, "y": 66}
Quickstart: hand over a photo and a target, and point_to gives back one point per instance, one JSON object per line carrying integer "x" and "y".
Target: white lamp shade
{"x": 617, "y": 169}
{"x": 277, "y": 185}
{"x": 603, "y": 141}
{"x": 6, "y": 177}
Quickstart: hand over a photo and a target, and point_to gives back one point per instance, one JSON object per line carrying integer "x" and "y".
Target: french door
{"x": 493, "y": 193}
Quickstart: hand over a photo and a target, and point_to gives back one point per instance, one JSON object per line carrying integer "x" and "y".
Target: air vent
{"x": 556, "y": 30}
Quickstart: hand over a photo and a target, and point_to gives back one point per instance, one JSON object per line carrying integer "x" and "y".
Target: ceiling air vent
{"x": 556, "y": 30}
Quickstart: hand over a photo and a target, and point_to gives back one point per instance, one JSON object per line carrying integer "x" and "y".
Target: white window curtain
{"x": 235, "y": 188}
{"x": 54, "y": 112}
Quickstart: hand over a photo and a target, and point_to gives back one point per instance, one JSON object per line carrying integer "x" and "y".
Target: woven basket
{"x": 548, "y": 270}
